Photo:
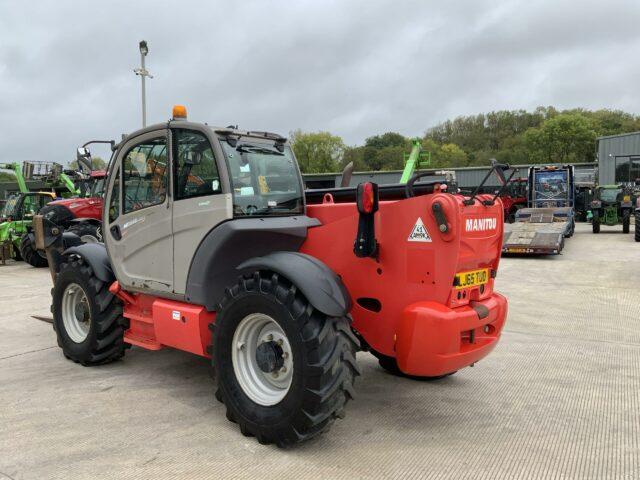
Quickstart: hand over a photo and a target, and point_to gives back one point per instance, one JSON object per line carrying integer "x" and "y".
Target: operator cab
{"x": 175, "y": 182}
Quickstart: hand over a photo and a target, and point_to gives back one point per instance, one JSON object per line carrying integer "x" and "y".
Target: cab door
{"x": 138, "y": 232}
{"x": 199, "y": 202}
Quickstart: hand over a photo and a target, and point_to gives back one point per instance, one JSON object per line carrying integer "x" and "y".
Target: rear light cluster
{"x": 367, "y": 198}
{"x": 365, "y": 244}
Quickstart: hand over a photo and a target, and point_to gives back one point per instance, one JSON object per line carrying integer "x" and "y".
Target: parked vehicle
{"x": 613, "y": 204}
{"x": 213, "y": 247}
{"x": 17, "y": 214}
{"x": 541, "y": 228}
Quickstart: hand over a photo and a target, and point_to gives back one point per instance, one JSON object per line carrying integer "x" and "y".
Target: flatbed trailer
{"x": 541, "y": 228}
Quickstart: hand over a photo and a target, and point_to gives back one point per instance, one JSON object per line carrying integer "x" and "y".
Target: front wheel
{"x": 87, "y": 318}
{"x": 88, "y": 232}
{"x": 284, "y": 370}
{"x": 595, "y": 224}
{"x": 637, "y": 233}
{"x": 33, "y": 257}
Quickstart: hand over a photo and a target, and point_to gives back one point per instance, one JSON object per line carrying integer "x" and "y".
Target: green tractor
{"x": 612, "y": 205}
{"x": 15, "y": 220}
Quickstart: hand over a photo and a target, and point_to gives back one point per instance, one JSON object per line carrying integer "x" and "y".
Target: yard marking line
{"x": 25, "y": 353}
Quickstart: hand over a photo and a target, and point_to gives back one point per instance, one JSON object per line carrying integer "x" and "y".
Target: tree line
{"x": 513, "y": 136}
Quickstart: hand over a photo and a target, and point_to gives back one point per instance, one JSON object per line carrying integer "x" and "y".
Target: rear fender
{"x": 95, "y": 254}
{"x": 319, "y": 284}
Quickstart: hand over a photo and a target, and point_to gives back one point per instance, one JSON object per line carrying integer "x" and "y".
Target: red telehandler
{"x": 225, "y": 256}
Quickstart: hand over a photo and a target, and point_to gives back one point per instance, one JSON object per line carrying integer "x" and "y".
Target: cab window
{"x": 144, "y": 175}
{"x": 195, "y": 164}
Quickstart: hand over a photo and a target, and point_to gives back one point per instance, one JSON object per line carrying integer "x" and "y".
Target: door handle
{"x": 115, "y": 232}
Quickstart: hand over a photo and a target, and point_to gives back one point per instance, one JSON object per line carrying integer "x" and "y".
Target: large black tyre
{"x": 85, "y": 229}
{"x": 626, "y": 221}
{"x": 100, "y": 312}
{"x": 595, "y": 224}
{"x": 637, "y": 235}
{"x": 323, "y": 353}
{"x": 29, "y": 253}
{"x": 391, "y": 366}
{"x": 16, "y": 252}
{"x": 572, "y": 229}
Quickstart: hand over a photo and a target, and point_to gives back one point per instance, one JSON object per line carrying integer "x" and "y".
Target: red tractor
{"x": 224, "y": 255}
{"x": 514, "y": 198}
{"x": 81, "y": 216}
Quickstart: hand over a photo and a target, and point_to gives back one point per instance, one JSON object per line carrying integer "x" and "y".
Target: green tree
{"x": 566, "y": 137}
{"x": 7, "y": 177}
{"x": 389, "y": 139}
{"x": 318, "y": 152}
{"x": 97, "y": 163}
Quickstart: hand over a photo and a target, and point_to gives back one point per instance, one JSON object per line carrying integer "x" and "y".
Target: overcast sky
{"x": 354, "y": 68}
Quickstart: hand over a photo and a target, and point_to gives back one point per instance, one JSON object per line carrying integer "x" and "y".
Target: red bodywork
{"x": 405, "y": 304}
{"x": 90, "y": 207}
{"x": 515, "y": 197}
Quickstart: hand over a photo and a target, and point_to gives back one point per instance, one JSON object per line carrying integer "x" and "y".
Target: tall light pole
{"x": 143, "y": 72}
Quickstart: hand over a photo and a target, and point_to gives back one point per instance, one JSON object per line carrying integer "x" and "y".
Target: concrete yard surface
{"x": 558, "y": 398}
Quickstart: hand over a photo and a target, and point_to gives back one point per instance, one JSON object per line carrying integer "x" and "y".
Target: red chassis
{"x": 407, "y": 302}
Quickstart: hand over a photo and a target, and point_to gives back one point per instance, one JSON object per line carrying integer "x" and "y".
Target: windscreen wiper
{"x": 255, "y": 149}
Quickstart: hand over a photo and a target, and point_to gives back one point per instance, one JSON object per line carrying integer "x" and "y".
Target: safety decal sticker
{"x": 419, "y": 233}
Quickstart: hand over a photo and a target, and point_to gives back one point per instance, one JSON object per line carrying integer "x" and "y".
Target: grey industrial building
{"x": 466, "y": 177}
{"x": 619, "y": 158}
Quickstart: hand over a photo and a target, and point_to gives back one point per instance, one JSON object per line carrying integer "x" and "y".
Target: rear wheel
{"x": 284, "y": 370}
{"x": 88, "y": 232}
{"x": 391, "y": 365}
{"x": 637, "y": 235}
{"x": 626, "y": 221}
{"x": 28, "y": 251}
{"x": 595, "y": 223}
{"x": 87, "y": 318}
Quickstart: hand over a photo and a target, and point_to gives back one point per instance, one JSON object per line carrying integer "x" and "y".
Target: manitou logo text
{"x": 480, "y": 224}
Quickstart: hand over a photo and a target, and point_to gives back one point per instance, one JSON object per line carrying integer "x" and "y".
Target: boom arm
{"x": 22, "y": 185}
{"x": 69, "y": 184}
{"x": 412, "y": 161}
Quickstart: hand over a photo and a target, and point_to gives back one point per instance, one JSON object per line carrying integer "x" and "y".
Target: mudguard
{"x": 319, "y": 284}
{"x": 214, "y": 266}
{"x": 95, "y": 254}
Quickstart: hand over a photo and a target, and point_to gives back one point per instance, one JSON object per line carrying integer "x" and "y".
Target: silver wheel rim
{"x": 264, "y": 388}
{"x": 89, "y": 239}
{"x": 76, "y": 313}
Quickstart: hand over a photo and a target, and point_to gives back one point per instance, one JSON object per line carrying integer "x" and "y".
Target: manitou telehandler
{"x": 223, "y": 255}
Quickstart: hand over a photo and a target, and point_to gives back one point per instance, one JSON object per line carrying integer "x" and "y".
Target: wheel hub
{"x": 262, "y": 359}
{"x": 76, "y": 313}
{"x": 80, "y": 312}
{"x": 269, "y": 356}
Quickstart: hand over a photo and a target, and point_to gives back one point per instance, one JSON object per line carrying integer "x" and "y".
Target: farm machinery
{"x": 514, "y": 198}
{"x": 613, "y": 204}
{"x": 17, "y": 215}
{"x": 541, "y": 227}
{"x": 224, "y": 255}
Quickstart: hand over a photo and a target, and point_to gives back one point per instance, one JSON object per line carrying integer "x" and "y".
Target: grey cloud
{"x": 355, "y": 68}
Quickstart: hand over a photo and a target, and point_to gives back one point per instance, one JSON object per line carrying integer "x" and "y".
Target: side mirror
{"x": 83, "y": 156}
{"x": 193, "y": 158}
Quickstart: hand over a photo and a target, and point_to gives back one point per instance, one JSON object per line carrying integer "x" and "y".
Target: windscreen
{"x": 9, "y": 209}
{"x": 264, "y": 180}
{"x": 610, "y": 194}
{"x": 551, "y": 189}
